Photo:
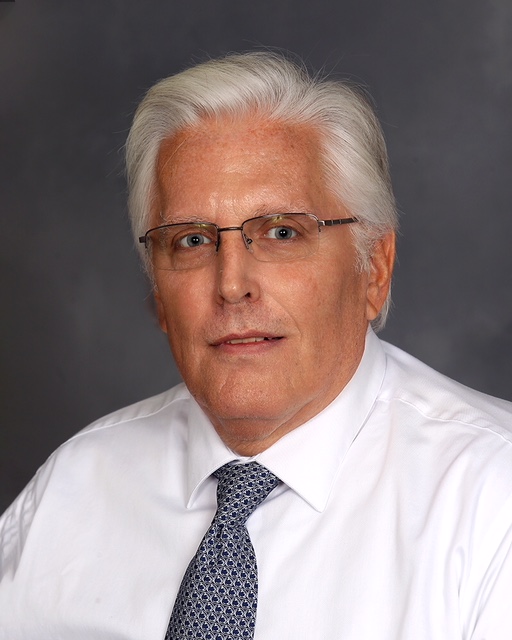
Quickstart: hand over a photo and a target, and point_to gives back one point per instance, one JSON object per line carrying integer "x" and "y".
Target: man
{"x": 264, "y": 209}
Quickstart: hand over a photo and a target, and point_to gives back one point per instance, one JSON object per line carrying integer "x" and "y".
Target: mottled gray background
{"x": 78, "y": 338}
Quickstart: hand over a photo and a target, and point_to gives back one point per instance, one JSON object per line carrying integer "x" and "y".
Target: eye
{"x": 191, "y": 240}
{"x": 281, "y": 232}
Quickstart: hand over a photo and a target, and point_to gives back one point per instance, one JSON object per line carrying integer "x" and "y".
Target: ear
{"x": 379, "y": 278}
{"x": 160, "y": 310}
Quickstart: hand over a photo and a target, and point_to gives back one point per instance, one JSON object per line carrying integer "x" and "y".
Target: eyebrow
{"x": 263, "y": 210}
{"x": 182, "y": 219}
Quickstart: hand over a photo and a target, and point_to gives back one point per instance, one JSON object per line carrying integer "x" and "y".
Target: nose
{"x": 247, "y": 241}
{"x": 237, "y": 270}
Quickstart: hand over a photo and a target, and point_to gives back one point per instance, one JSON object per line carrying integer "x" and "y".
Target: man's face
{"x": 312, "y": 312}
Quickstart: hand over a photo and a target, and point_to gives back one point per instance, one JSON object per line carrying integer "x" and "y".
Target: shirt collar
{"x": 206, "y": 452}
{"x": 308, "y": 458}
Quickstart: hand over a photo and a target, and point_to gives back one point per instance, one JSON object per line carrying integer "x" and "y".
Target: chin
{"x": 243, "y": 405}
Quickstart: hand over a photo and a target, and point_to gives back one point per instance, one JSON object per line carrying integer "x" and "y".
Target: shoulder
{"x": 442, "y": 433}
{"x": 106, "y": 458}
{"x": 139, "y": 413}
{"x": 436, "y": 400}
{"x": 136, "y": 431}
{"x": 448, "y": 448}
{"x": 142, "y": 428}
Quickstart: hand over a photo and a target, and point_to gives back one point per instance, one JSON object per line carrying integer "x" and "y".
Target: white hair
{"x": 271, "y": 87}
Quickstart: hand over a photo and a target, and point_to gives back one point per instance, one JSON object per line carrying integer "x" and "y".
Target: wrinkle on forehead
{"x": 303, "y": 139}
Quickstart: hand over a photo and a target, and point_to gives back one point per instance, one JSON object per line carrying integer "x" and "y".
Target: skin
{"x": 315, "y": 310}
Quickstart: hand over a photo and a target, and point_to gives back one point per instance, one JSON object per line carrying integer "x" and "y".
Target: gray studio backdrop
{"x": 78, "y": 335}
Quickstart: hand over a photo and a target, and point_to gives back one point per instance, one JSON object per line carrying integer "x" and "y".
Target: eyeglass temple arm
{"x": 332, "y": 223}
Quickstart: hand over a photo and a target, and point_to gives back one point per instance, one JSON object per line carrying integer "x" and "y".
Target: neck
{"x": 250, "y": 435}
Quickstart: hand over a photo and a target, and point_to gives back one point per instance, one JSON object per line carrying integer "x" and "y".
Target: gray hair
{"x": 270, "y": 86}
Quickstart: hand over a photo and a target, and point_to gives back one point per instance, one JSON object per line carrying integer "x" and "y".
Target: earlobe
{"x": 379, "y": 278}
{"x": 160, "y": 311}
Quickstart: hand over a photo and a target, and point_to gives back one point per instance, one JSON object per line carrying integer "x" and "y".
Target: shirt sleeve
{"x": 16, "y": 522}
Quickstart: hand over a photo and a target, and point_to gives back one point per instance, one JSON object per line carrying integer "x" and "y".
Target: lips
{"x": 247, "y": 340}
{"x": 244, "y": 339}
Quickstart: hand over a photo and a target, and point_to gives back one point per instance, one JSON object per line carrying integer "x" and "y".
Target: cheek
{"x": 180, "y": 306}
{"x": 312, "y": 307}
{"x": 182, "y": 336}
{"x": 338, "y": 314}
{"x": 325, "y": 297}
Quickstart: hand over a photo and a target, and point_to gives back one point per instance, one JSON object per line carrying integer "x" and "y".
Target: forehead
{"x": 248, "y": 164}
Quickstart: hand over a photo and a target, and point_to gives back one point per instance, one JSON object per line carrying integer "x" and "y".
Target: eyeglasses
{"x": 272, "y": 238}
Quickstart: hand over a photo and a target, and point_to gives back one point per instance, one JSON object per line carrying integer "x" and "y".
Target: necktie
{"x": 218, "y": 595}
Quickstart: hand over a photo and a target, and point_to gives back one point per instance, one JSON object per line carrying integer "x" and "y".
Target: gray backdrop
{"x": 79, "y": 339}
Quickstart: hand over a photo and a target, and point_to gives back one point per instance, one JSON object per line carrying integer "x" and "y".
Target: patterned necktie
{"x": 219, "y": 593}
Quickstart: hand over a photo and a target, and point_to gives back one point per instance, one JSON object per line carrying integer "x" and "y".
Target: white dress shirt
{"x": 393, "y": 520}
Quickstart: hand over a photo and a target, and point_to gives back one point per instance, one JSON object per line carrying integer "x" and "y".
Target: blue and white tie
{"x": 218, "y": 596}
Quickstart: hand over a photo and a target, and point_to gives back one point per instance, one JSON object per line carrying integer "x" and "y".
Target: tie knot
{"x": 242, "y": 488}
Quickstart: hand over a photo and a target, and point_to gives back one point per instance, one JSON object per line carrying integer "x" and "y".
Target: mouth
{"x": 248, "y": 339}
